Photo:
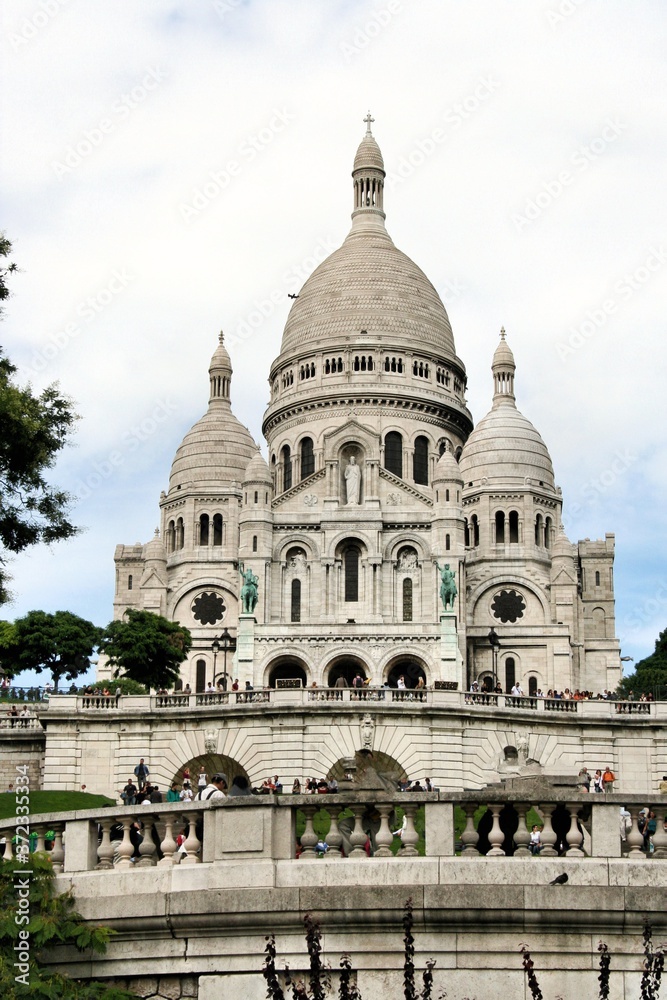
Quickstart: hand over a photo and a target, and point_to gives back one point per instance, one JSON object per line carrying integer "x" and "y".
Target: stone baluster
{"x": 126, "y": 847}
{"x": 309, "y": 838}
{"x": 57, "y": 851}
{"x": 192, "y": 844}
{"x": 168, "y": 844}
{"x": 147, "y": 849}
{"x": 384, "y": 837}
{"x": 574, "y": 835}
{"x": 660, "y": 835}
{"x": 522, "y": 835}
{"x": 548, "y": 836}
{"x": 334, "y": 836}
{"x": 410, "y": 836}
{"x": 9, "y": 848}
{"x": 40, "y": 844}
{"x": 358, "y": 836}
{"x": 470, "y": 837}
{"x": 105, "y": 849}
{"x": 496, "y": 835}
{"x": 634, "y": 837}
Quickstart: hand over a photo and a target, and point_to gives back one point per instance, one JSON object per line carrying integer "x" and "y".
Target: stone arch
{"x": 286, "y": 667}
{"x": 392, "y": 548}
{"x": 509, "y": 582}
{"x": 180, "y": 604}
{"x": 212, "y": 764}
{"x": 298, "y": 539}
{"x": 407, "y": 665}
{"x": 346, "y": 665}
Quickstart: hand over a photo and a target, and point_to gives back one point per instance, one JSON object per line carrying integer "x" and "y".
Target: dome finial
{"x": 221, "y": 338}
{"x": 368, "y": 119}
{"x": 502, "y": 332}
{"x": 503, "y": 369}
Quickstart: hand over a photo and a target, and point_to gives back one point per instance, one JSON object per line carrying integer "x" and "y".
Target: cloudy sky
{"x": 171, "y": 169}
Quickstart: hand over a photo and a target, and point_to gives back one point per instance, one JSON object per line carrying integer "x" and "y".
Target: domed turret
{"x": 257, "y": 471}
{"x": 216, "y": 451}
{"x": 504, "y": 448}
{"x": 368, "y": 175}
{"x": 447, "y": 469}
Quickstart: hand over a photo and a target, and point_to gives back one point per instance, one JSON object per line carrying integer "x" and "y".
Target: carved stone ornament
{"x": 210, "y": 741}
{"x": 367, "y": 731}
{"x": 508, "y": 606}
{"x": 394, "y": 499}
{"x": 310, "y": 500}
{"x": 208, "y": 609}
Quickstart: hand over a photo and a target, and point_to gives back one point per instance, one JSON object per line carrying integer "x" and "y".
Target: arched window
{"x": 295, "y": 606}
{"x": 393, "y": 453}
{"x": 180, "y": 533}
{"x": 538, "y": 530}
{"x": 532, "y": 686}
{"x": 510, "y": 673}
{"x": 474, "y": 524}
{"x": 351, "y": 564}
{"x": 286, "y": 459}
{"x": 200, "y": 677}
{"x": 307, "y": 457}
{"x": 547, "y": 533}
{"x": 254, "y": 543}
{"x": 420, "y": 461}
{"x": 217, "y": 529}
{"x": 171, "y": 536}
{"x": 500, "y": 527}
{"x": 448, "y": 543}
{"x": 597, "y": 579}
{"x": 514, "y": 526}
{"x": 466, "y": 533}
{"x": 203, "y": 529}
{"x": 407, "y": 599}
{"x": 129, "y": 581}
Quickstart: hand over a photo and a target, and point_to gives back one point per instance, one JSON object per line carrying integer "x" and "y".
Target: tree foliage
{"x": 61, "y": 643}
{"x": 146, "y": 647}
{"x": 34, "y": 430}
{"x": 52, "y": 921}
{"x": 650, "y": 675}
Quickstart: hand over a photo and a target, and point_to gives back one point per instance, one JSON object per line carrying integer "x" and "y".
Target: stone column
{"x": 450, "y": 654}
{"x": 245, "y": 651}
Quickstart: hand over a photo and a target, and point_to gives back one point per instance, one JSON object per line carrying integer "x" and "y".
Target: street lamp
{"x": 224, "y": 642}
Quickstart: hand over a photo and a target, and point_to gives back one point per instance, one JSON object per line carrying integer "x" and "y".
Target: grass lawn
{"x": 48, "y": 802}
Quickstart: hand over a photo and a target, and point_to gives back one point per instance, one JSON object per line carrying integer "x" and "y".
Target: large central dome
{"x": 368, "y": 284}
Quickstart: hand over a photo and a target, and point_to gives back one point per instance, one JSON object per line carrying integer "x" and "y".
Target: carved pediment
{"x": 395, "y": 489}
{"x": 309, "y": 492}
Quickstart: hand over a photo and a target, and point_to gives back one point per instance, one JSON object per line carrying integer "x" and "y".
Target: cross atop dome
{"x": 503, "y": 368}
{"x": 368, "y": 119}
{"x": 502, "y": 332}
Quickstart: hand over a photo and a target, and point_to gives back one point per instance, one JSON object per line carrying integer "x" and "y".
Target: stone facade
{"x": 375, "y": 481}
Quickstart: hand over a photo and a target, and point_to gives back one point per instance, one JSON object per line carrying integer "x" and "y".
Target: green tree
{"x": 52, "y": 922}
{"x": 146, "y": 647}
{"x": 34, "y": 430}
{"x": 650, "y": 674}
{"x": 61, "y": 643}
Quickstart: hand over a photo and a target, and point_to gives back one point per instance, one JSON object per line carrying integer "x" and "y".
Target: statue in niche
{"x": 367, "y": 731}
{"x": 210, "y": 740}
{"x": 407, "y": 560}
{"x": 249, "y": 590}
{"x": 448, "y": 589}
{"x": 296, "y": 560}
{"x": 352, "y": 482}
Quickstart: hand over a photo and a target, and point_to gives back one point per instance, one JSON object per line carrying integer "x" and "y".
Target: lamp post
{"x": 224, "y": 642}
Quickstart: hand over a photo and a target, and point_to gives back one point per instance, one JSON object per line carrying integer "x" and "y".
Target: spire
{"x": 368, "y": 174}
{"x": 220, "y": 372}
{"x": 503, "y": 368}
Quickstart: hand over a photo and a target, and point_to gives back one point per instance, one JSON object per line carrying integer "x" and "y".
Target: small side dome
{"x": 154, "y": 551}
{"x": 447, "y": 469}
{"x": 257, "y": 471}
{"x": 368, "y": 154}
{"x": 563, "y": 547}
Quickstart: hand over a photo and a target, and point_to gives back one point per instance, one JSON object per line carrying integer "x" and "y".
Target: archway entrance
{"x": 408, "y": 667}
{"x": 389, "y": 772}
{"x": 212, "y": 764}
{"x": 287, "y": 669}
{"x": 347, "y": 667}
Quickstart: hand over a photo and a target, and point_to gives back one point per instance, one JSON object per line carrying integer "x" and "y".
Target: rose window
{"x": 508, "y": 605}
{"x": 208, "y": 609}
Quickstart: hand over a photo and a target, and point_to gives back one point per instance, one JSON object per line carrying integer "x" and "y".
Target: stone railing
{"x": 356, "y": 825}
{"x": 20, "y": 722}
{"x": 472, "y": 701}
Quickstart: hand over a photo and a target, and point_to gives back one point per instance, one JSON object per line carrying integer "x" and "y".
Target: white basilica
{"x": 377, "y": 480}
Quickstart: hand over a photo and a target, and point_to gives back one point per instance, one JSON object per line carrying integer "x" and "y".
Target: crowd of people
{"x": 488, "y": 687}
